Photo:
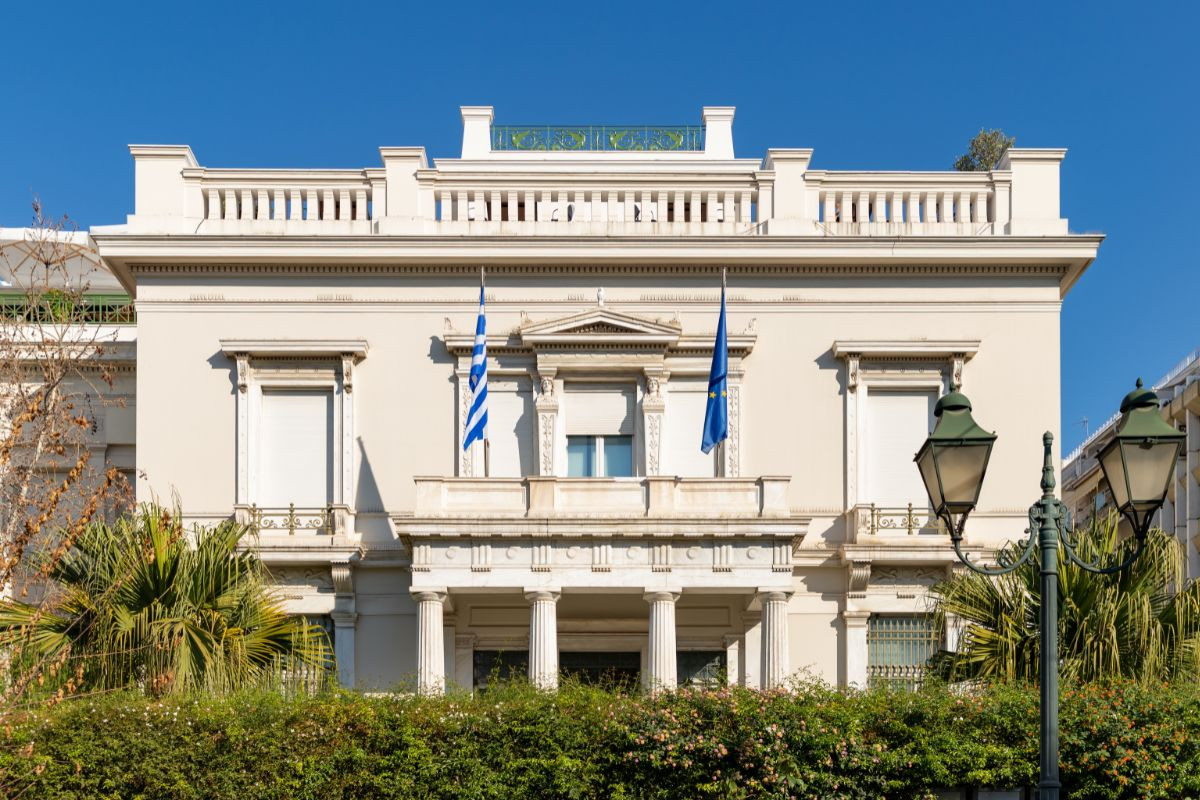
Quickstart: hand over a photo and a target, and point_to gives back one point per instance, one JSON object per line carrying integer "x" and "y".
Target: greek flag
{"x": 477, "y": 416}
{"x": 716, "y": 412}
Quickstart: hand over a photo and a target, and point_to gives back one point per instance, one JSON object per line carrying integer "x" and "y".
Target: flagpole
{"x": 487, "y": 443}
{"x": 721, "y": 446}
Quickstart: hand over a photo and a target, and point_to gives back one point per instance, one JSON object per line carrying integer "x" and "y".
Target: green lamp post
{"x": 1137, "y": 464}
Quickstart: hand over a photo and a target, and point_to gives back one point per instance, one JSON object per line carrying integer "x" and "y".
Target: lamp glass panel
{"x": 1150, "y": 465}
{"x": 929, "y": 476}
{"x": 1114, "y": 472}
{"x": 962, "y": 467}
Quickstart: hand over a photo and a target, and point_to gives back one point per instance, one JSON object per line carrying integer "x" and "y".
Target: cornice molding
{"x": 906, "y": 348}
{"x": 294, "y": 347}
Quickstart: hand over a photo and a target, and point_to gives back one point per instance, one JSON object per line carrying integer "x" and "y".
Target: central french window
{"x": 600, "y": 430}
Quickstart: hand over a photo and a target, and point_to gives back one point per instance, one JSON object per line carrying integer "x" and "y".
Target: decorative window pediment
{"x": 601, "y": 327}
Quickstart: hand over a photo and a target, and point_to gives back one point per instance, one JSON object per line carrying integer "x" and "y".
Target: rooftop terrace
{"x": 594, "y": 180}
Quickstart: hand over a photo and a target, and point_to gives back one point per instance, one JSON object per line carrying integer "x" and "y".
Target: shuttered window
{"x": 511, "y": 422}
{"x": 295, "y": 457}
{"x": 600, "y": 409}
{"x": 682, "y": 427}
{"x": 897, "y": 424}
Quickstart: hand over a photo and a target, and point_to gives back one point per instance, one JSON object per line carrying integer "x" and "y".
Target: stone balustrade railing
{"x": 658, "y": 209}
{"x": 705, "y": 195}
{"x": 283, "y": 201}
{"x": 664, "y": 496}
{"x": 909, "y": 203}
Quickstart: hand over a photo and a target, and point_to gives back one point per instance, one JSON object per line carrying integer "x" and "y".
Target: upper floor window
{"x": 896, "y": 425}
{"x": 600, "y": 430}
{"x": 295, "y": 448}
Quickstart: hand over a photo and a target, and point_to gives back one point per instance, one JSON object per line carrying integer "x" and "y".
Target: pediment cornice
{"x": 600, "y": 327}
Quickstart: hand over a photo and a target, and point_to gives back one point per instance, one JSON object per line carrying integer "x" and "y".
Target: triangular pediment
{"x": 599, "y": 325}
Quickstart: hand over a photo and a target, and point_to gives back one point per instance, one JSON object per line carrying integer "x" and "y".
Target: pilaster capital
{"x": 852, "y": 618}
{"x": 343, "y": 619}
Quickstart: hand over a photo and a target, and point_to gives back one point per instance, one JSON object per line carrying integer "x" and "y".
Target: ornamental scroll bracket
{"x": 343, "y": 578}
{"x": 858, "y": 576}
{"x": 243, "y": 371}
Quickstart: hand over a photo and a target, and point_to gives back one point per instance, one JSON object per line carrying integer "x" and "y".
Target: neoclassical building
{"x": 304, "y": 337}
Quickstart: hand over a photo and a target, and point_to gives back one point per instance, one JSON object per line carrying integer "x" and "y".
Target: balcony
{"x": 593, "y": 498}
{"x": 868, "y": 522}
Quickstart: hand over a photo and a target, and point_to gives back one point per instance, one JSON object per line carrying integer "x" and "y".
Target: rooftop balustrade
{"x": 596, "y": 180}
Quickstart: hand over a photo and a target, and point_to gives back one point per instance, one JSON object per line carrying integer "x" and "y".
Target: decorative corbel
{"x": 343, "y": 578}
{"x": 852, "y": 372}
{"x": 243, "y": 371}
{"x": 859, "y": 574}
{"x": 956, "y": 371}
{"x": 347, "y": 372}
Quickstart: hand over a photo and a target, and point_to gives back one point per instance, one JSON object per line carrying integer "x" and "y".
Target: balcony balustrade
{"x": 868, "y": 519}
{"x": 711, "y": 498}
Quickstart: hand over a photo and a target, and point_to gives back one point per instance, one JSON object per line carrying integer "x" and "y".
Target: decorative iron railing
{"x": 898, "y": 649}
{"x": 910, "y": 520}
{"x": 615, "y": 138}
{"x": 291, "y": 519}
{"x": 57, "y": 306}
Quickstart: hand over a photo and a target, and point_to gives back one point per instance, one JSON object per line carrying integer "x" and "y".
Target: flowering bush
{"x": 1118, "y": 741}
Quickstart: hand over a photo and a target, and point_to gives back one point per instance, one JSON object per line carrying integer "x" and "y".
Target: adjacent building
{"x": 1087, "y": 495}
{"x": 304, "y": 337}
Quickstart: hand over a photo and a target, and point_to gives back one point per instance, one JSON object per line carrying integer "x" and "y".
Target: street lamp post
{"x": 1137, "y": 463}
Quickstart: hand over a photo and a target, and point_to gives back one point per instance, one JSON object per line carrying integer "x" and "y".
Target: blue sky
{"x": 884, "y": 85}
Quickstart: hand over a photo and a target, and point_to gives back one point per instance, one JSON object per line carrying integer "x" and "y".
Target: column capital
{"x": 775, "y": 595}
{"x": 427, "y": 595}
{"x": 662, "y": 595}
{"x": 552, "y": 595}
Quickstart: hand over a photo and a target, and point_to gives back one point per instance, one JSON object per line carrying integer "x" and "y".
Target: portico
{"x": 668, "y": 543}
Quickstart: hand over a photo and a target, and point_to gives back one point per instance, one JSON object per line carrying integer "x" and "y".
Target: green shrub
{"x": 1118, "y": 741}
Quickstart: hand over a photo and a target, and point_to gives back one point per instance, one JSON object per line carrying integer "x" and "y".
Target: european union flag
{"x": 716, "y": 412}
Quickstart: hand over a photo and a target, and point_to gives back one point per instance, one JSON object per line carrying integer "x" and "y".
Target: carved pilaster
{"x": 466, "y": 464}
{"x": 732, "y": 448}
{"x": 243, "y": 430}
{"x": 653, "y": 407}
{"x": 547, "y": 416}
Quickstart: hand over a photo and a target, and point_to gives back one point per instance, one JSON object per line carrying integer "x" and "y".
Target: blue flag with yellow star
{"x": 716, "y": 413}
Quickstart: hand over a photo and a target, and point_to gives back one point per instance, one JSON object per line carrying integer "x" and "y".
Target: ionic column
{"x": 431, "y": 648}
{"x": 660, "y": 664}
{"x": 775, "y": 669}
{"x": 543, "y": 638}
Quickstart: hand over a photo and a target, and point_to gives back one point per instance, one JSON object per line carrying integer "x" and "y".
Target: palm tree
{"x": 1141, "y": 623}
{"x": 142, "y": 603}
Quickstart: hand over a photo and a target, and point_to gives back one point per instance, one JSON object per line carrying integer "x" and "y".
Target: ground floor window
{"x": 899, "y": 647}
{"x": 615, "y": 670}
{"x": 701, "y": 667}
{"x": 497, "y": 666}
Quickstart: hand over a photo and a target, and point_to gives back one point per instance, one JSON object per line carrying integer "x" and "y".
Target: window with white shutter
{"x": 295, "y": 448}
{"x": 600, "y": 426}
{"x": 683, "y": 424}
{"x": 511, "y": 424}
{"x": 897, "y": 424}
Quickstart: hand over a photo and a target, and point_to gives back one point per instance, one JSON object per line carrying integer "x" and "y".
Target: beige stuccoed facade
{"x": 304, "y": 337}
